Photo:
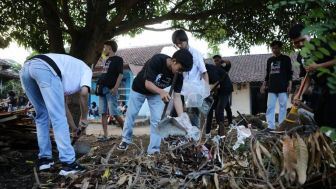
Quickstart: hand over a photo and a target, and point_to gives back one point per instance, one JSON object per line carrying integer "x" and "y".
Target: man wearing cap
{"x": 157, "y": 74}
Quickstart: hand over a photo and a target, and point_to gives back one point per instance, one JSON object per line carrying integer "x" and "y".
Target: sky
{"x": 147, "y": 38}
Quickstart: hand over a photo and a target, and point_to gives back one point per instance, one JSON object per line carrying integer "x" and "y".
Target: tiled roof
{"x": 5, "y": 64}
{"x": 251, "y": 68}
{"x": 134, "y": 57}
{"x": 139, "y": 55}
{"x": 5, "y": 72}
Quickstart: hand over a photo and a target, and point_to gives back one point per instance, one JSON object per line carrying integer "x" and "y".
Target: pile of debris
{"x": 302, "y": 157}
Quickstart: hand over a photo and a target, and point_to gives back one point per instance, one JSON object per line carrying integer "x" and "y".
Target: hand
{"x": 289, "y": 88}
{"x": 312, "y": 67}
{"x": 262, "y": 89}
{"x": 165, "y": 96}
{"x": 114, "y": 91}
{"x": 296, "y": 100}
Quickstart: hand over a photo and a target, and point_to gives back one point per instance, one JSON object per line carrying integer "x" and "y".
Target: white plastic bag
{"x": 195, "y": 92}
{"x": 192, "y": 132}
{"x": 242, "y": 134}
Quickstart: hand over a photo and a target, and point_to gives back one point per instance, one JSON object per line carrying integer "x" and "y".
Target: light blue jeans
{"x": 109, "y": 103}
{"x": 45, "y": 92}
{"x": 134, "y": 105}
{"x": 270, "y": 113}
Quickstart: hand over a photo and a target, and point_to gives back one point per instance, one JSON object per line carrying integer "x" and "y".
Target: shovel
{"x": 208, "y": 101}
{"x": 80, "y": 147}
{"x": 168, "y": 125}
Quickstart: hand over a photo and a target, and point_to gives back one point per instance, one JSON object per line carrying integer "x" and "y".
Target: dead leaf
{"x": 122, "y": 180}
{"x": 216, "y": 180}
{"x": 289, "y": 155}
{"x": 302, "y": 157}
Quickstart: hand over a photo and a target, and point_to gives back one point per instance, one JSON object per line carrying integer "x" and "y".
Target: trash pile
{"x": 302, "y": 157}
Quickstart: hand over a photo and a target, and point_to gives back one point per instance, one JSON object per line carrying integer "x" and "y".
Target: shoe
{"x": 103, "y": 138}
{"x": 44, "y": 164}
{"x": 153, "y": 154}
{"x": 208, "y": 136}
{"x": 123, "y": 146}
{"x": 71, "y": 168}
{"x": 268, "y": 130}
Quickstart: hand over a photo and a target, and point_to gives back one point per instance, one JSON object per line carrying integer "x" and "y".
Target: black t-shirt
{"x": 115, "y": 68}
{"x": 300, "y": 60}
{"x": 279, "y": 73}
{"x": 218, "y": 73}
{"x": 156, "y": 71}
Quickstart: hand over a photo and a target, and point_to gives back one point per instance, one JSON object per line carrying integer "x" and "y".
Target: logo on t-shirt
{"x": 275, "y": 67}
{"x": 162, "y": 81}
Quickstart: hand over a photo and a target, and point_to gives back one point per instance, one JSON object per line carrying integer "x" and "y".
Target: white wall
{"x": 241, "y": 99}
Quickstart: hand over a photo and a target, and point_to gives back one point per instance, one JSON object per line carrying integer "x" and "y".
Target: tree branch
{"x": 65, "y": 15}
{"x": 157, "y": 29}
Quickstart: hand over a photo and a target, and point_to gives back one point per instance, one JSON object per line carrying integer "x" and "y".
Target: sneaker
{"x": 44, "y": 164}
{"x": 103, "y": 138}
{"x": 71, "y": 168}
{"x": 123, "y": 146}
{"x": 153, "y": 154}
{"x": 208, "y": 136}
{"x": 268, "y": 130}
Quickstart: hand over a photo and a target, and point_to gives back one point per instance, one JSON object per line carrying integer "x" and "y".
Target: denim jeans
{"x": 109, "y": 103}
{"x": 155, "y": 106}
{"x": 45, "y": 92}
{"x": 270, "y": 113}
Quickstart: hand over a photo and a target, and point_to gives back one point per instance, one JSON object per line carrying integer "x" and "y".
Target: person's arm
{"x": 290, "y": 75}
{"x": 69, "y": 117}
{"x": 114, "y": 90}
{"x": 205, "y": 76}
{"x": 328, "y": 64}
{"x": 178, "y": 103}
{"x": 154, "y": 89}
{"x": 84, "y": 96}
{"x": 297, "y": 97}
{"x": 263, "y": 86}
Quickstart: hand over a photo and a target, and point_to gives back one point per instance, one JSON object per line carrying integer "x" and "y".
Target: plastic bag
{"x": 195, "y": 92}
{"x": 192, "y": 132}
{"x": 242, "y": 134}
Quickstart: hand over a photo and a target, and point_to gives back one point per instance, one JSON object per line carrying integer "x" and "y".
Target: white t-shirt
{"x": 75, "y": 73}
{"x": 198, "y": 68}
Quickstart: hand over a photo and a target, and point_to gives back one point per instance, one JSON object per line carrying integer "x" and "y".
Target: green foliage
{"x": 320, "y": 21}
{"x": 330, "y": 132}
{"x": 85, "y": 25}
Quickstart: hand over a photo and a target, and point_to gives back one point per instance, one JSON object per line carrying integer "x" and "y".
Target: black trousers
{"x": 220, "y": 102}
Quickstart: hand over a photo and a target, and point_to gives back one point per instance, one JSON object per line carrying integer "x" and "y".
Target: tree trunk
{"x": 87, "y": 47}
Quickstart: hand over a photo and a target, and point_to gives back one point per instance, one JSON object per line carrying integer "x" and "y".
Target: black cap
{"x": 184, "y": 57}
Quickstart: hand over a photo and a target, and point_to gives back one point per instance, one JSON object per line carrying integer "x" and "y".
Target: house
{"x": 247, "y": 74}
{"x": 6, "y": 73}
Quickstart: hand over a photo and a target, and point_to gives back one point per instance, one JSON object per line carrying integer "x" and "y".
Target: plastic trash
{"x": 195, "y": 92}
{"x": 242, "y": 134}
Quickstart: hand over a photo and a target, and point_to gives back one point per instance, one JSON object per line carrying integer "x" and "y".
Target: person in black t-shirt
{"x": 226, "y": 65}
{"x": 221, "y": 97}
{"x": 324, "y": 108}
{"x": 108, "y": 103}
{"x": 279, "y": 83}
{"x": 149, "y": 84}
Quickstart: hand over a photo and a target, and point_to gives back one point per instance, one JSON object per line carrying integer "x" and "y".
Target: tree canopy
{"x": 84, "y": 25}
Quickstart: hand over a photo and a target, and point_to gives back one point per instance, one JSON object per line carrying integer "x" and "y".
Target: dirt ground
{"x": 17, "y": 165}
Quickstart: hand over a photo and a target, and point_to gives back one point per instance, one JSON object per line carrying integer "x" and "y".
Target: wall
{"x": 241, "y": 99}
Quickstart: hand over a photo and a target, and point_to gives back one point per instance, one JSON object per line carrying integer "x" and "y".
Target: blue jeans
{"x": 109, "y": 102}
{"x": 270, "y": 113}
{"x": 155, "y": 106}
{"x": 45, "y": 92}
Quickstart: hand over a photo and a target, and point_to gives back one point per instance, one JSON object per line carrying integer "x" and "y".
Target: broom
{"x": 292, "y": 117}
